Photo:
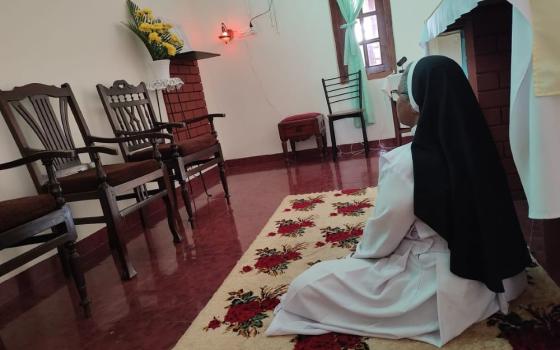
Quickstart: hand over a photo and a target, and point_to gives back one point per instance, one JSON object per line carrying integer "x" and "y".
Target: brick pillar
{"x": 492, "y": 41}
{"x": 187, "y": 102}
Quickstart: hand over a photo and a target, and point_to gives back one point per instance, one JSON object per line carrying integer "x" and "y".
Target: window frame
{"x": 386, "y": 40}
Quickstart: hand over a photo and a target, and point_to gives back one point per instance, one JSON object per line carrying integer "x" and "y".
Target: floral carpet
{"x": 307, "y": 229}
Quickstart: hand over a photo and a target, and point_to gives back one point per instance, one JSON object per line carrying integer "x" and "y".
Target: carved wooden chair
{"x": 130, "y": 110}
{"x": 24, "y": 221}
{"x": 32, "y": 120}
{"x": 339, "y": 90}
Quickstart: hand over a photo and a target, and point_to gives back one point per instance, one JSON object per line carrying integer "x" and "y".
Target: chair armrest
{"x": 210, "y": 118}
{"x": 162, "y": 125}
{"x": 146, "y": 134}
{"x": 39, "y": 155}
{"x": 130, "y": 136}
{"x": 97, "y": 149}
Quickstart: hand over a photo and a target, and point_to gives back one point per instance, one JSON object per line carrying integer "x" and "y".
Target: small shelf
{"x": 196, "y": 55}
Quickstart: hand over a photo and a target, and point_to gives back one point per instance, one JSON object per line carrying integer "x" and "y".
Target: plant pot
{"x": 160, "y": 70}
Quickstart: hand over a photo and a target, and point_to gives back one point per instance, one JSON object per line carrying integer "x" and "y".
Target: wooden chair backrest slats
{"x": 343, "y": 88}
{"x": 129, "y": 109}
{"x": 30, "y": 107}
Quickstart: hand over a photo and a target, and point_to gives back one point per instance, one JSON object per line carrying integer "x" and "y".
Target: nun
{"x": 443, "y": 248}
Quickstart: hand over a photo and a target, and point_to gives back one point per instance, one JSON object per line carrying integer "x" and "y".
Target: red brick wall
{"x": 187, "y": 102}
{"x": 492, "y": 43}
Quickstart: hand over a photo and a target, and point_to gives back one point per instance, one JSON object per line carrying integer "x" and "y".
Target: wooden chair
{"x": 32, "y": 120}
{"x": 339, "y": 90}
{"x": 23, "y": 222}
{"x": 399, "y": 128}
{"x": 130, "y": 110}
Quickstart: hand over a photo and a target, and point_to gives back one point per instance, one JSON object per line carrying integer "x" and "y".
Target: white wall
{"x": 257, "y": 80}
{"x": 261, "y": 79}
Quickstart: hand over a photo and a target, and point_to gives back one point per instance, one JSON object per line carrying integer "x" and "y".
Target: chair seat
{"x": 346, "y": 113}
{"x": 186, "y": 147}
{"x": 117, "y": 174}
{"x": 300, "y": 117}
{"x": 15, "y": 212}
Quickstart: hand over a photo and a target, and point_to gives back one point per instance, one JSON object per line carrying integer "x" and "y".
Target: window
{"x": 374, "y": 32}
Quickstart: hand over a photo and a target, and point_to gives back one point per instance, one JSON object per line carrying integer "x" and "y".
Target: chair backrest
{"x": 343, "y": 88}
{"x": 35, "y": 123}
{"x": 128, "y": 108}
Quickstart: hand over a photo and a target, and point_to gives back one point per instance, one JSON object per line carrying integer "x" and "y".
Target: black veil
{"x": 460, "y": 187}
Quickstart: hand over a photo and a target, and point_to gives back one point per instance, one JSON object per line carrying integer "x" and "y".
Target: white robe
{"x": 397, "y": 284}
{"x": 534, "y": 124}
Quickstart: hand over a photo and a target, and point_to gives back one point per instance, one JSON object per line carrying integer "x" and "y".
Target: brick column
{"x": 187, "y": 102}
{"x": 492, "y": 40}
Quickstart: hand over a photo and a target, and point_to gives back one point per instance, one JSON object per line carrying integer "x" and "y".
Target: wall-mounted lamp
{"x": 227, "y": 34}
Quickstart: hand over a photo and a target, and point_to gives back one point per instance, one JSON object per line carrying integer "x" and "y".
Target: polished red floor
{"x": 174, "y": 282}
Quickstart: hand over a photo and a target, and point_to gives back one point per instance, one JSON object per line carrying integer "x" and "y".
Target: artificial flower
{"x": 171, "y": 50}
{"x": 154, "y": 37}
{"x": 145, "y": 27}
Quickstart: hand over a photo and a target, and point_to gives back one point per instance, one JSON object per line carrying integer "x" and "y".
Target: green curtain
{"x": 350, "y": 9}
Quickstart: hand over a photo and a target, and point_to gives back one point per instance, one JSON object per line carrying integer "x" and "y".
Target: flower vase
{"x": 160, "y": 70}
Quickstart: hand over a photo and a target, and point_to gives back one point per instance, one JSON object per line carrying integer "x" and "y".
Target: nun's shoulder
{"x": 398, "y": 160}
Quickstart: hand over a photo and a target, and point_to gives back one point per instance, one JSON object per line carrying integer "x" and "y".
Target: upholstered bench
{"x": 302, "y": 127}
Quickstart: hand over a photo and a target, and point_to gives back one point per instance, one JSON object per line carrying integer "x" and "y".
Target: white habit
{"x": 534, "y": 123}
{"x": 397, "y": 284}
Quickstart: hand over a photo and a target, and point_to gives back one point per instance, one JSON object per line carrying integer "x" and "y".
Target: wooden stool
{"x": 301, "y": 127}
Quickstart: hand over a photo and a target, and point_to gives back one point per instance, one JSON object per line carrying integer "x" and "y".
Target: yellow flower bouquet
{"x": 156, "y": 35}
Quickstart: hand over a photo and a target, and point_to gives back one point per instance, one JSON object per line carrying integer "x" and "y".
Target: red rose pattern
{"x": 342, "y": 237}
{"x": 246, "y": 310}
{"x": 268, "y": 262}
{"x": 269, "y": 304}
{"x": 330, "y": 341}
{"x": 293, "y": 228}
{"x": 246, "y": 269}
{"x": 355, "y": 208}
{"x": 275, "y": 262}
{"x": 242, "y": 312}
{"x": 306, "y": 204}
{"x": 540, "y": 331}
{"x": 354, "y": 192}
{"x": 215, "y": 323}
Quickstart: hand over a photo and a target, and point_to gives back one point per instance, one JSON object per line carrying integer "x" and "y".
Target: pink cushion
{"x": 298, "y": 117}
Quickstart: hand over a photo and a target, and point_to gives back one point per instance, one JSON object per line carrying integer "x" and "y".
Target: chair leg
{"x": 78, "y": 276}
{"x": 223, "y": 178}
{"x": 364, "y": 134}
{"x": 285, "y": 151}
{"x": 187, "y": 200}
{"x": 118, "y": 248}
{"x": 139, "y": 198}
{"x": 293, "y": 146}
{"x": 64, "y": 261}
{"x": 320, "y": 147}
{"x": 165, "y": 184}
{"x": 333, "y": 140}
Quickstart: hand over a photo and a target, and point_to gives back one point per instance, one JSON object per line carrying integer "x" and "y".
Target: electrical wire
{"x": 270, "y": 3}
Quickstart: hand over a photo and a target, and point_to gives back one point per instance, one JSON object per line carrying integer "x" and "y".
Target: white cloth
{"x": 413, "y": 103}
{"x": 397, "y": 284}
{"x": 445, "y": 14}
{"x": 534, "y": 124}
